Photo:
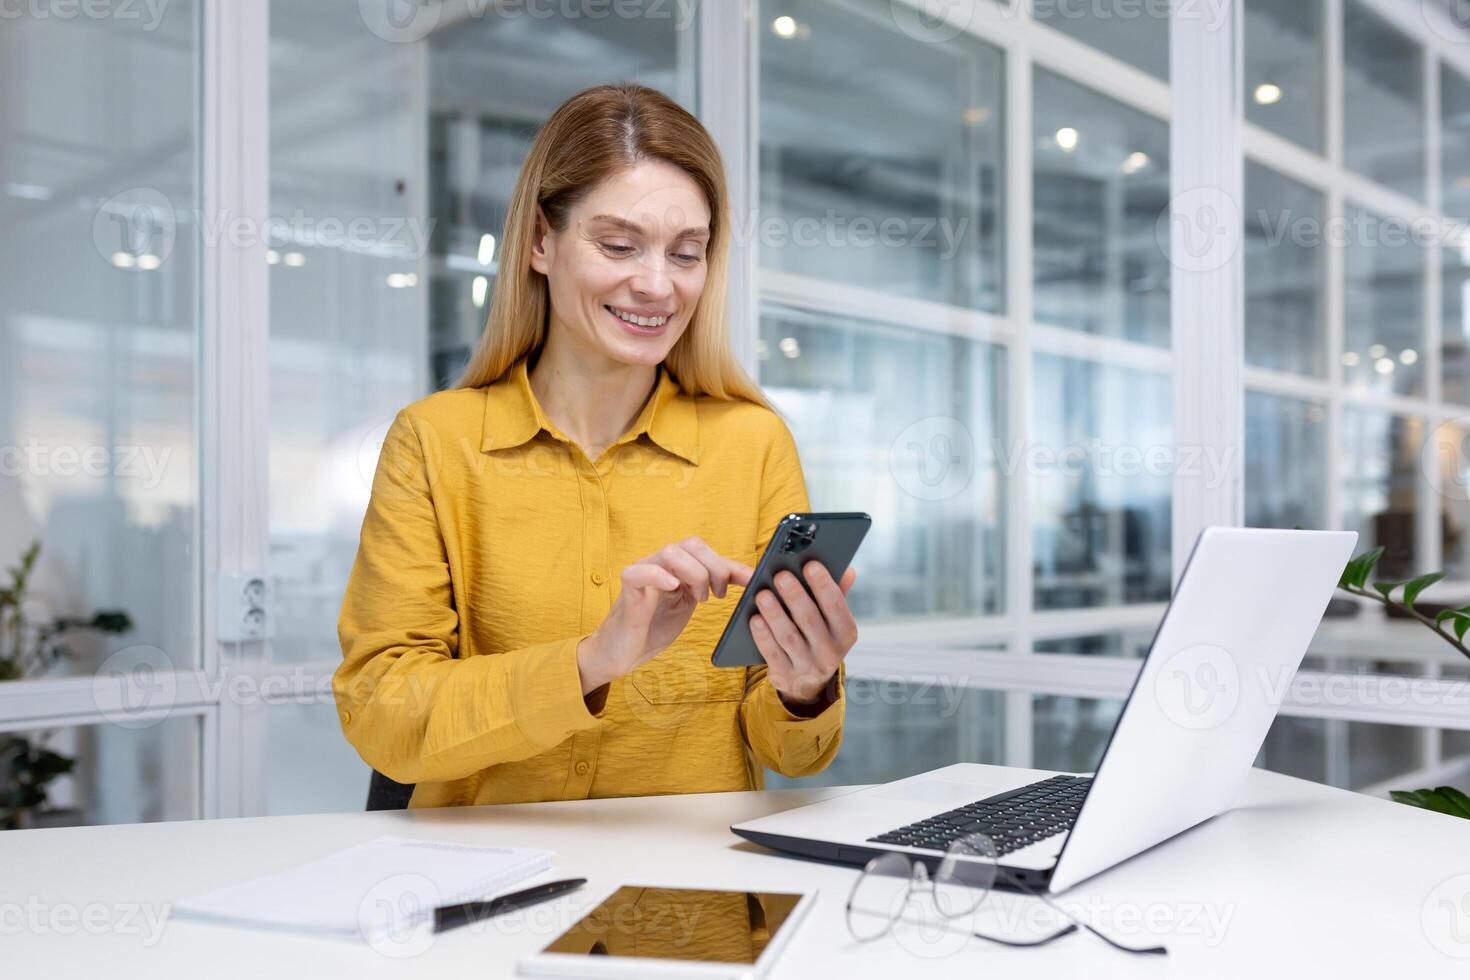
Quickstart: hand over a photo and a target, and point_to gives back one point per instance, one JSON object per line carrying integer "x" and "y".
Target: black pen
{"x": 449, "y": 916}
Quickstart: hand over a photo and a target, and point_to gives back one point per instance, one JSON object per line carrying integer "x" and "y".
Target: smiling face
{"x": 627, "y": 271}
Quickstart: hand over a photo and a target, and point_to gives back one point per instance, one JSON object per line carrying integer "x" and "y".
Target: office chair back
{"x": 385, "y": 794}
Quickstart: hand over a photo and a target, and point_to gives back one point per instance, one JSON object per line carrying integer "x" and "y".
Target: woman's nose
{"x": 652, "y": 282}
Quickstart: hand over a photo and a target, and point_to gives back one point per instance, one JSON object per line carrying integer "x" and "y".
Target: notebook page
{"x": 360, "y": 892}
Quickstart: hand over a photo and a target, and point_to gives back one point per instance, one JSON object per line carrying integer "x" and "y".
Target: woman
{"x": 548, "y": 557}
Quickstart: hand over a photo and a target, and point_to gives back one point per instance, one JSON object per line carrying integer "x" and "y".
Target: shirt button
{"x": 582, "y": 768}
{"x": 598, "y": 578}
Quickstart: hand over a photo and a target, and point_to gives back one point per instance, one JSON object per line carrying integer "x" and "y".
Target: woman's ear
{"x": 542, "y": 245}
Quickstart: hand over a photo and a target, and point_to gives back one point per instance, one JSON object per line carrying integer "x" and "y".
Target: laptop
{"x": 1233, "y": 635}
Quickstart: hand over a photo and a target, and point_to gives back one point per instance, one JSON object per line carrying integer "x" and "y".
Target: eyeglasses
{"x": 957, "y": 889}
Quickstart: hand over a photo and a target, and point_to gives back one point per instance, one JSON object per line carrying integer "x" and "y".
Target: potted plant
{"x": 1450, "y": 623}
{"x": 29, "y": 649}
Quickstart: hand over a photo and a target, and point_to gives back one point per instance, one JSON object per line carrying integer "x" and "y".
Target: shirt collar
{"x": 513, "y": 416}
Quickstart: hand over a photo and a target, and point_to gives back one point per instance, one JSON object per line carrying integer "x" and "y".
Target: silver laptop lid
{"x": 1235, "y": 632}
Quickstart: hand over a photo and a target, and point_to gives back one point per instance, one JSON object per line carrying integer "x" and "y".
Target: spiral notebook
{"x": 365, "y": 892}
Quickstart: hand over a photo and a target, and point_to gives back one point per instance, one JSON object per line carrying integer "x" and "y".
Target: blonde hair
{"x": 590, "y": 137}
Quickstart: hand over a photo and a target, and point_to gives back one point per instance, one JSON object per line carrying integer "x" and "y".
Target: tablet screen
{"x": 679, "y": 924}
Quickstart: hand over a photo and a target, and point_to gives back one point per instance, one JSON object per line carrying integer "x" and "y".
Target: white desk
{"x": 1307, "y": 881}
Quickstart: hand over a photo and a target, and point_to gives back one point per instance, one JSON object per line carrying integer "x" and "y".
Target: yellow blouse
{"x": 492, "y": 545}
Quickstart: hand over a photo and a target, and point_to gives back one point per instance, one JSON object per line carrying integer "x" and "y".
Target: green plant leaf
{"x": 1414, "y": 586}
{"x": 1357, "y": 570}
{"x": 1386, "y": 589}
{"x": 1437, "y": 800}
{"x": 1461, "y": 624}
{"x": 1456, "y": 799}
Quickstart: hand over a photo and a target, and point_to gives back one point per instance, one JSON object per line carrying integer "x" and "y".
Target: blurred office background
{"x": 953, "y": 255}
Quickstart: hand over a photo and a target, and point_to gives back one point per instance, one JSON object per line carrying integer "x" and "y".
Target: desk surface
{"x": 1299, "y": 879}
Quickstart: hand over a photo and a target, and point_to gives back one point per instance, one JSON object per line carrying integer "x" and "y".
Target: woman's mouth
{"x": 641, "y": 326}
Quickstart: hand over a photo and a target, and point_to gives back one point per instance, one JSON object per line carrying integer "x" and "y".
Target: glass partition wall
{"x": 958, "y": 293}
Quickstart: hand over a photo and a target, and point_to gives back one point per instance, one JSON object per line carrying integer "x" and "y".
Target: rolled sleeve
{"x": 786, "y": 742}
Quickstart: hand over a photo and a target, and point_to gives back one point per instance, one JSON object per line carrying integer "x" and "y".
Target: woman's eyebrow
{"x": 612, "y": 219}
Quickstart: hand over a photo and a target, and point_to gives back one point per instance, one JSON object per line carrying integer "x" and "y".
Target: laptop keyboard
{"x": 1011, "y": 820}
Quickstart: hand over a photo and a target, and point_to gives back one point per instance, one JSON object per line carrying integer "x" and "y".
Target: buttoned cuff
{"x": 546, "y": 693}
{"x": 789, "y": 743}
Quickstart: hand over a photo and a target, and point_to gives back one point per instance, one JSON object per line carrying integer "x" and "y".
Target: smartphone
{"x": 831, "y": 539}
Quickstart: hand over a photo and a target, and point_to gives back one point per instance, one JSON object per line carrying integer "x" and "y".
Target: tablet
{"x": 646, "y": 931}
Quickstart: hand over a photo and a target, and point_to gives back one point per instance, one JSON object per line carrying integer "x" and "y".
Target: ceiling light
{"x": 148, "y": 262}
{"x": 1383, "y": 365}
{"x": 1268, "y": 94}
{"x": 1350, "y": 359}
{"x": 1408, "y": 355}
{"x": 478, "y": 290}
{"x": 294, "y": 259}
{"x": 784, "y": 26}
{"x": 124, "y": 260}
{"x": 1135, "y": 162}
{"x": 1067, "y": 138}
{"x": 487, "y": 250}
{"x": 1377, "y": 351}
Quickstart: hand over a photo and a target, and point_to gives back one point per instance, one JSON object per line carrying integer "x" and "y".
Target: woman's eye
{"x": 612, "y": 249}
{"x": 686, "y": 258}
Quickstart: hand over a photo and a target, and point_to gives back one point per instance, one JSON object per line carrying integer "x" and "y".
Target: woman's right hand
{"x": 657, "y": 598}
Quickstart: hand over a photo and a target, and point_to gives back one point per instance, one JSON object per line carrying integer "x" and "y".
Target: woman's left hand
{"x": 805, "y": 646}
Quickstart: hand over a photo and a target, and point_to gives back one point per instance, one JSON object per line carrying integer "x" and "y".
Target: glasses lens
{"x": 878, "y": 896}
{"x": 965, "y": 876}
